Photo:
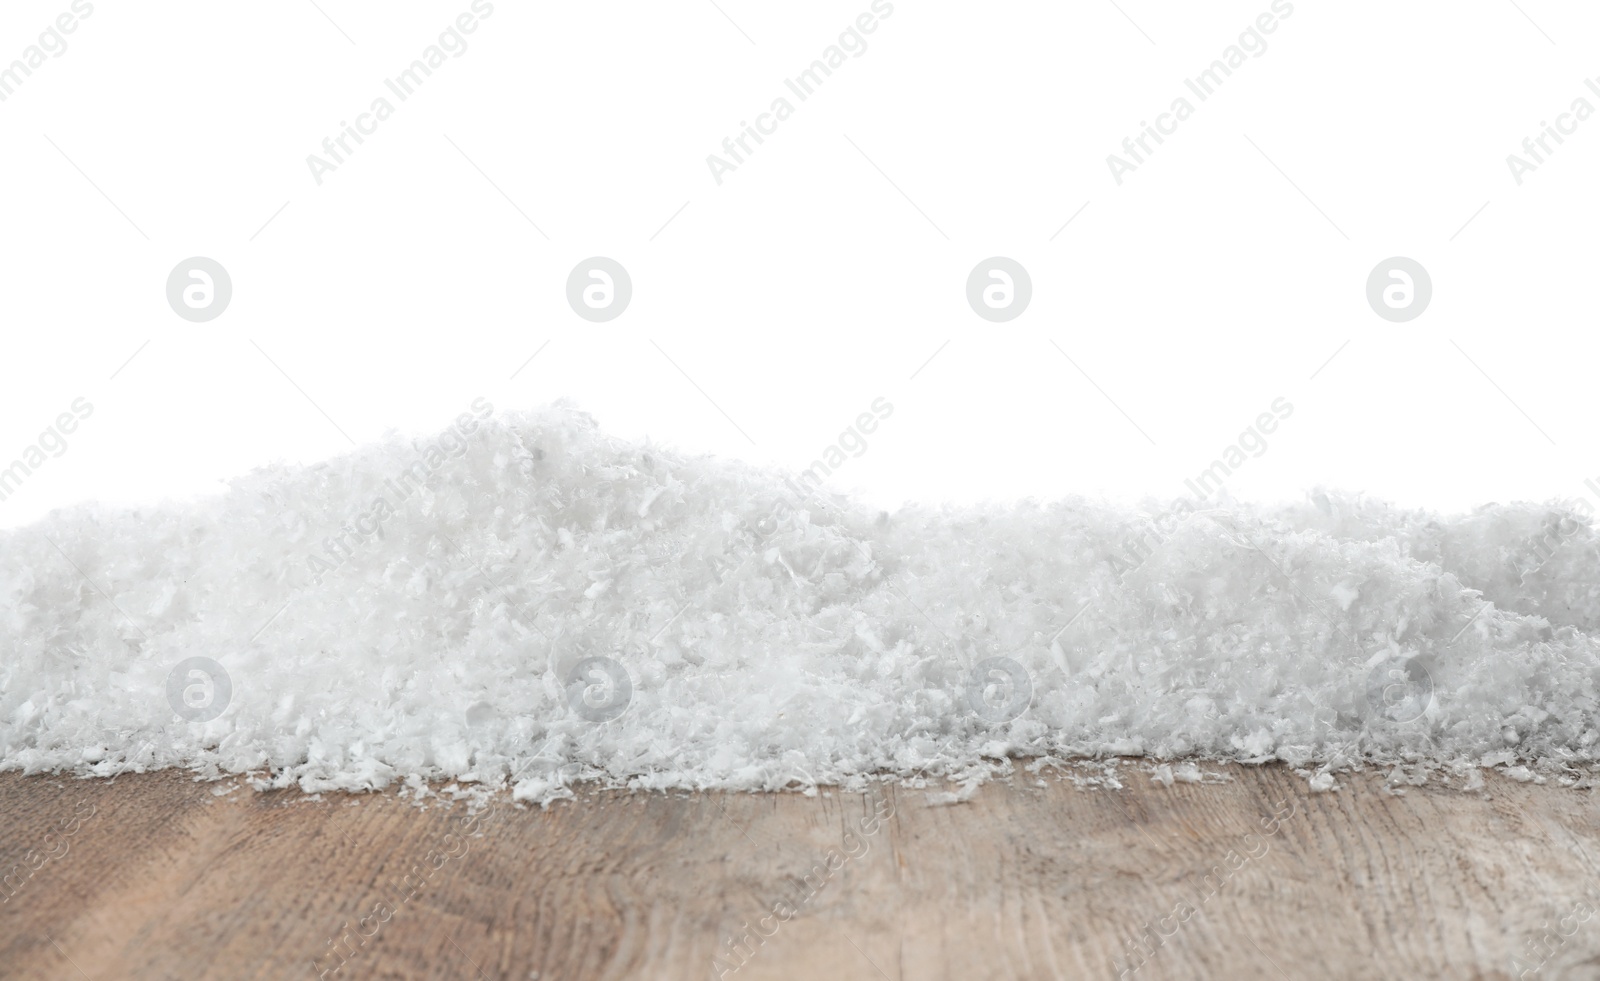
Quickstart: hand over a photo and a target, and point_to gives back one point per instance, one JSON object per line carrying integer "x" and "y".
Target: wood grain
{"x": 1030, "y": 879}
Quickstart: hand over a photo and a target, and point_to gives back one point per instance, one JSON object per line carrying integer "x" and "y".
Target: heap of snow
{"x": 417, "y": 610}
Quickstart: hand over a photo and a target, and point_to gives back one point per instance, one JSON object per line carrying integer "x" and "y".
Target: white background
{"x": 1221, "y": 275}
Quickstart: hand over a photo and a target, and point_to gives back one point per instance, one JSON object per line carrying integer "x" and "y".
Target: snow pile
{"x": 523, "y": 598}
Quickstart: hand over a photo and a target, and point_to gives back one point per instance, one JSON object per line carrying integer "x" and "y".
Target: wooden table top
{"x": 156, "y": 876}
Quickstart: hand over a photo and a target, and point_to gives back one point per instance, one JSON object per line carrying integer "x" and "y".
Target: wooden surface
{"x": 160, "y": 878}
